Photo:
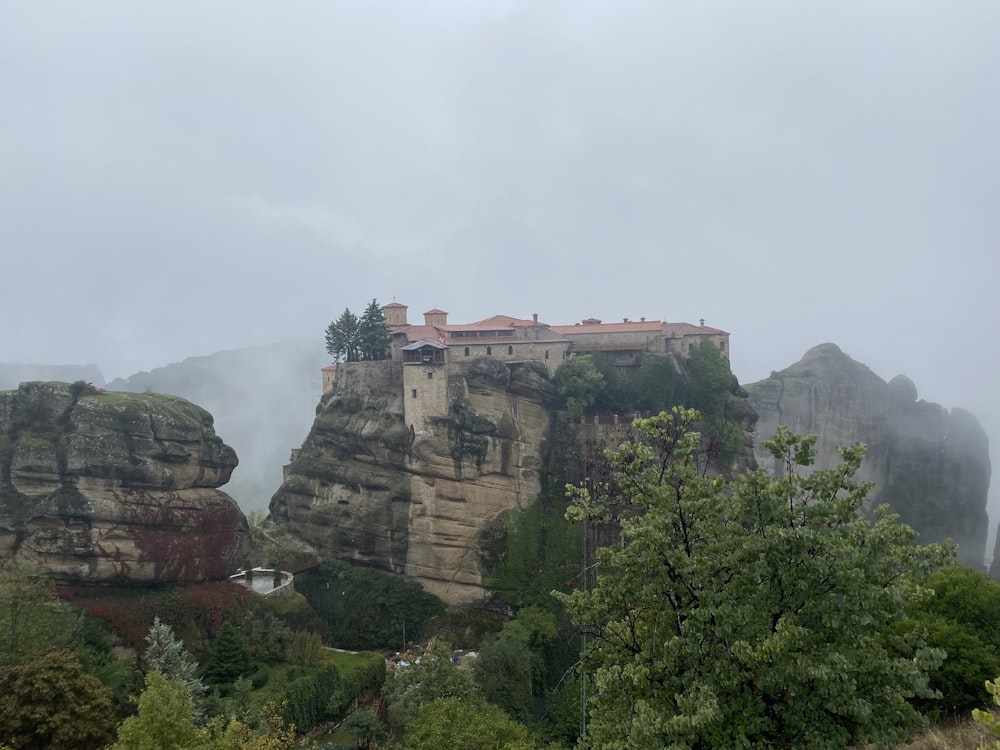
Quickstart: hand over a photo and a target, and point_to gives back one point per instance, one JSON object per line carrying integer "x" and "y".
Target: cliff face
{"x": 931, "y": 465}
{"x": 105, "y": 487}
{"x": 411, "y": 497}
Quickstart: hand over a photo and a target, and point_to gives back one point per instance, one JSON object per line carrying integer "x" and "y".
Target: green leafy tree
{"x": 434, "y": 676}
{"x": 577, "y": 383}
{"x": 229, "y": 658}
{"x": 465, "y": 724}
{"x": 164, "y": 719}
{"x": 960, "y": 618}
{"x": 364, "y": 728}
{"x": 503, "y": 674}
{"x": 657, "y": 385}
{"x": 512, "y": 668}
{"x": 366, "y": 608}
{"x": 47, "y": 701}
{"x": 32, "y": 617}
{"x": 343, "y": 337}
{"x": 746, "y": 615}
{"x": 374, "y": 334}
{"x": 166, "y": 654}
{"x": 540, "y": 550}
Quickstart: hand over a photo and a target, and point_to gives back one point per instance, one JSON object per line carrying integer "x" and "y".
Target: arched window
{"x": 510, "y": 350}
{"x": 489, "y": 351}
{"x": 466, "y": 351}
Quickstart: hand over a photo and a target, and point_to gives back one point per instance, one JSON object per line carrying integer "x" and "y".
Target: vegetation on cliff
{"x": 748, "y": 613}
{"x": 592, "y": 383}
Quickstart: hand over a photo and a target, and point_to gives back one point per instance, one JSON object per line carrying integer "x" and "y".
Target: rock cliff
{"x": 930, "y": 465}
{"x": 411, "y": 496}
{"x": 107, "y": 487}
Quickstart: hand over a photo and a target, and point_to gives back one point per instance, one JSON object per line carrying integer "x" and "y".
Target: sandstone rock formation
{"x": 107, "y": 487}
{"x": 930, "y": 465}
{"x": 370, "y": 488}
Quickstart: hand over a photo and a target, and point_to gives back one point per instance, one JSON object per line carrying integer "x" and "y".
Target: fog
{"x": 179, "y": 179}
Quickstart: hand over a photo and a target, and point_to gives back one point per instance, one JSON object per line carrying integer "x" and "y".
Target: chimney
{"x": 702, "y": 324}
{"x": 642, "y": 320}
{"x": 534, "y": 317}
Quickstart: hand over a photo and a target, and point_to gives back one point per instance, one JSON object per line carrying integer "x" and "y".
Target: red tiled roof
{"x": 687, "y": 329}
{"x": 650, "y": 326}
{"x": 415, "y": 333}
{"x": 503, "y": 321}
{"x": 435, "y": 311}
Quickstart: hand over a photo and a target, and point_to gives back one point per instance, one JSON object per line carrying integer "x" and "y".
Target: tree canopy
{"x": 46, "y": 700}
{"x": 465, "y": 723}
{"x": 342, "y": 337}
{"x": 746, "y": 615}
{"x": 353, "y": 339}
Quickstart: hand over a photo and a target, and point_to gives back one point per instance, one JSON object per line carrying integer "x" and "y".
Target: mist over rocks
{"x": 109, "y": 487}
{"x": 13, "y": 374}
{"x": 931, "y": 465}
{"x": 263, "y": 399}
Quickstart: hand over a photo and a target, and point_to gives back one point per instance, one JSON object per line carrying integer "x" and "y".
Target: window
{"x": 430, "y": 376}
{"x": 466, "y": 351}
{"x": 510, "y": 350}
{"x": 414, "y": 393}
{"x": 489, "y": 351}
{"x": 546, "y": 354}
{"x": 690, "y": 348}
{"x": 722, "y": 345}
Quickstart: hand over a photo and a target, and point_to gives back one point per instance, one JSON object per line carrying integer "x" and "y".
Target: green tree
{"x": 164, "y": 719}
{"x": 363, "y": 727}
{"x": 434, "y": 676}
{"x": 746, "y": 615}
{"x": 47, "y": 701}
{"x": 166, "y": 654}
{"x": 374, "y": 335}
{"x": 960, "y": 618}
{"x": 229, "y": 657}
{"x": 366, "y": 608}
{"x": 342, "y": 337}
{"x": 512, "y": 668}
{"x": 465, "y": 724}
{"x": 32, "y": 617}
{"x": 503, "y": 674}
{"x": 577, "y": 383}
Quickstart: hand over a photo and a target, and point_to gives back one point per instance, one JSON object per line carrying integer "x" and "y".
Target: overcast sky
{"x": 178, "y": 178}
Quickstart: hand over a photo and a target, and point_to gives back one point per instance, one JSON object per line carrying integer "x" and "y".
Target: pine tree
{"x": 166, "y": 653}
{"x": 342, "y": 340}
{"x": 229, "y": 657}
{"x": 374, "y": 335}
